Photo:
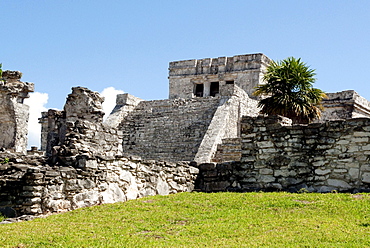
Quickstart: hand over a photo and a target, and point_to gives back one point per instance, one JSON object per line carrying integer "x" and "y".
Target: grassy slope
{"x": 205, "y": 220}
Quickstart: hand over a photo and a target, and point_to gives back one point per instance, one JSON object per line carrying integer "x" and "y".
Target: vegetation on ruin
{"x": 1, "y": 71}
{"x": 205, "y": 220}
{"x": 289, "y": 91}
{"x": 4, "y": 161}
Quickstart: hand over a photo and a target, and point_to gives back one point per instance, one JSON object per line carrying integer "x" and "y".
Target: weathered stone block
{"x": 340, "y": 170}
{"x": 266, "y": 171}
{"x": 354, "y": 173}
{"x": 360, "y": 140}
{"x": 361, "y": 134}
{"x": 319, "y": 178}
{"x": 207, "y": 166}
{"x": 365, "y": 177}
{"x": 283, "y": 173}
{"x": 162, "y": 187}
{"x": 33, "y": 188}
{"x": 322, "y": 172}
{"x": 267, "y": 179}
{"x": 248, "y": 180}
{"x": 343, "y": 142}
{"x": 86, "y": 183}
{"x": 265, "y": 144}
{"x": 365, "y": 147}
{"x": 326, "y": 189}
{"x": 365, "y": 167}
{"x": 338, "y": 183}
{"x": 352, "y": 149}
{"x": 319, "y": 163}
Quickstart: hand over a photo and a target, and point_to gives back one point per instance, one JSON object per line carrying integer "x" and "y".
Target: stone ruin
{"x": 83, "y": 165}
{"x": 208, "y": 136}
{"x": 14, "y": 114}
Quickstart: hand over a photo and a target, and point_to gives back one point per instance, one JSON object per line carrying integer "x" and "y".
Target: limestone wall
{"x": 125, "y": 103}
{"x": 229, "y": 150}
{"x": 13, "y": 113}
{"x": 89, "y": 139}
{"x": 168, "y": 129}
{"x": 53, "y": 129}
{"x": 84, "y": 165}
{"x": 318, "y": 157}
{"x": 226, "y": 123}
{"x": 79, "y": 128}
{"x": 245, "y": 71}
{"x": 344, "y": 105}
{"x": 29, "y": 186}
{"x": 184, "y": 129}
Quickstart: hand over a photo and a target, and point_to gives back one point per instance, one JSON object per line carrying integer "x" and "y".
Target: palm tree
{"x": 288, "y": 91}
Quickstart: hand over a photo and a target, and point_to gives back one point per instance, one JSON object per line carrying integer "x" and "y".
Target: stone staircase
{"x": 229, "y": 150}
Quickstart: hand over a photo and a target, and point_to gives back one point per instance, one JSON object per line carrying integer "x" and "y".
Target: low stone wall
{"x": 319, "y": 157}
{"x": 29, "y": 186}
{"x": 84, "y": 165}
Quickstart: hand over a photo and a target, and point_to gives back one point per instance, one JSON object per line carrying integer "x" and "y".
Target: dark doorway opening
{"x": 199, "y": 89}
{"x": 215, "y": 89}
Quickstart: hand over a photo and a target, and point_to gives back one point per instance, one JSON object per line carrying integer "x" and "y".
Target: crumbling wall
{"x": 53, "y": 129}
{"x": 85, "y": 167}
{"x": 78, "y": 130}
{"x": 13, "y": 113}
{"x": 318, "y": 157}
{"x": 125, "y": 103}
{"x": 84, "y": 104}
{"x": 344, "y": 105}
{"x": 29, "y": 186}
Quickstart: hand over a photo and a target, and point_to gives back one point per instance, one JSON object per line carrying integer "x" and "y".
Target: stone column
{"x": 207, "y": 89}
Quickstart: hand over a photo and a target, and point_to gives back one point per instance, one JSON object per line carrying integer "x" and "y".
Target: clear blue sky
{"x": 128, "y": 44}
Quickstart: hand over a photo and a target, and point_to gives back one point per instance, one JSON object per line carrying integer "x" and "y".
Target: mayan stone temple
{"x": 207, "y": 136}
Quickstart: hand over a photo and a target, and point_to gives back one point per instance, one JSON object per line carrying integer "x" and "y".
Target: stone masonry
{"x": 213, "y": 74}
{"x": 79, "y": 129}
{"x": 318, "y": 157}
{"x": 28, "y": 185}
{"x": 13, "y": 113}
{"x": 345, "y": 105}
{"x": 166, "y": 146}
{"x": 84, "y": 166}
{"x": 184, "y": 129}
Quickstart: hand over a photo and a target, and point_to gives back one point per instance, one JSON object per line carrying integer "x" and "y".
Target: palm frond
{"x": 289, "y": 91}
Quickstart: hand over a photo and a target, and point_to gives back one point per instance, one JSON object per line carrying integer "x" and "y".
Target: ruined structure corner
{"x": 14, "y": 113}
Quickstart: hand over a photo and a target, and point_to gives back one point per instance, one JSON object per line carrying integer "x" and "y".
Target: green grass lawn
{"x": 205, "y": 220}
